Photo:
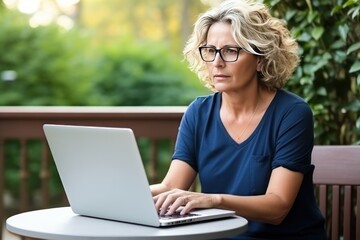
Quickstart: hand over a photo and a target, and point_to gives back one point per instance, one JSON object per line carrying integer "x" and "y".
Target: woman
{"x": 250, "y": 142}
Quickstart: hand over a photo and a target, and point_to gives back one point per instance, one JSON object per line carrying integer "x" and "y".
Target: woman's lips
{"x": 220, "y": 76}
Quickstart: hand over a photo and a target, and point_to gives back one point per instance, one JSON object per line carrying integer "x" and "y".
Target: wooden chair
{"x": 337, "y": 186}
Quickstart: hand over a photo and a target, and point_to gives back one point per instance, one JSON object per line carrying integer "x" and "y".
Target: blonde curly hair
{"x": 257, "y": 32}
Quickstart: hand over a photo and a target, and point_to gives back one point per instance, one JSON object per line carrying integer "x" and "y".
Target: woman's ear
{"x": 258, "y": 64}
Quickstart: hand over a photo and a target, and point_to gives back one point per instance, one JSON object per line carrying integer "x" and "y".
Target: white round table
{"x": 63, "y": 224}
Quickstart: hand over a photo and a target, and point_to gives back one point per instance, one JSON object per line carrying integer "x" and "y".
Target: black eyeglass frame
{"x": 218, "y": 50}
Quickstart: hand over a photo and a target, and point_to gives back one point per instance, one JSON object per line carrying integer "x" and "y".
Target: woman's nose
{"x": 218, "y": 61}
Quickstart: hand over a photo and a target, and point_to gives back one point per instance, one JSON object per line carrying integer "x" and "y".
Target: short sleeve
{"x": 295, "y": 139}
{"x": 185, "y": 142}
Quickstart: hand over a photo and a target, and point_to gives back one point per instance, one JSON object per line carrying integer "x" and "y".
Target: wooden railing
{"x": 24, "y": 124}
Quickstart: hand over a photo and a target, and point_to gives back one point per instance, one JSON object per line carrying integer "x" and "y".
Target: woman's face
{"x": 230, "y": 76}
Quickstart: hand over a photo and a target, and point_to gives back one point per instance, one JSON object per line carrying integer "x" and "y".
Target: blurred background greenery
{"x": 92, "y": 52}
{"x": 128, "y": 53}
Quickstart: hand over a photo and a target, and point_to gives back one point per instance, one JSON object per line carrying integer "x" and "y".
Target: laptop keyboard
{"x": 176, "y": 215}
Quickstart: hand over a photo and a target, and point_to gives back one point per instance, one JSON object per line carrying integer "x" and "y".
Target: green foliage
{"x": 49, "y": 64}
{"x": 328, "y": 77}
{"x": 55, "y": 67}
{"x": 144, "y": 73}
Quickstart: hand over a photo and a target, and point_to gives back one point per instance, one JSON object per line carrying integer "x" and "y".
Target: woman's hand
{"x": 169, "y": 202}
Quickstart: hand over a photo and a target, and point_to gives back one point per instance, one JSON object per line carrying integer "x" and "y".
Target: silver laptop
{"x": 103, "y": 176}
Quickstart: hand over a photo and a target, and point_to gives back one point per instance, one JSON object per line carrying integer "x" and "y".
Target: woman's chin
{"x": 221, "y": 87}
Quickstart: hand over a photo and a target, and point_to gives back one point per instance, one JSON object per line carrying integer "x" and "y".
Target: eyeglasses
{"x": 227, "y": 54}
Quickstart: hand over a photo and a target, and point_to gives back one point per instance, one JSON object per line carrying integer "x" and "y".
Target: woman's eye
{"x": 211, "y": 50}
{"x": 231, "y": 51}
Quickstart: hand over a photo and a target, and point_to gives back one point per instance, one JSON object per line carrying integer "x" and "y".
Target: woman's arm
{"x": 180, "y": 176}
{"x": 272, "y": 207}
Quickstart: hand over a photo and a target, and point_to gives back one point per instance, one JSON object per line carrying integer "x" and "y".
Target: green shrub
{"x": 329, "y": 74}
{"x": 144, "y": 73}
{"x": 50, "y": 64}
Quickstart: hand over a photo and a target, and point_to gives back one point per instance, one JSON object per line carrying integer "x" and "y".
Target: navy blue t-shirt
{"x": 284, "y": 137}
